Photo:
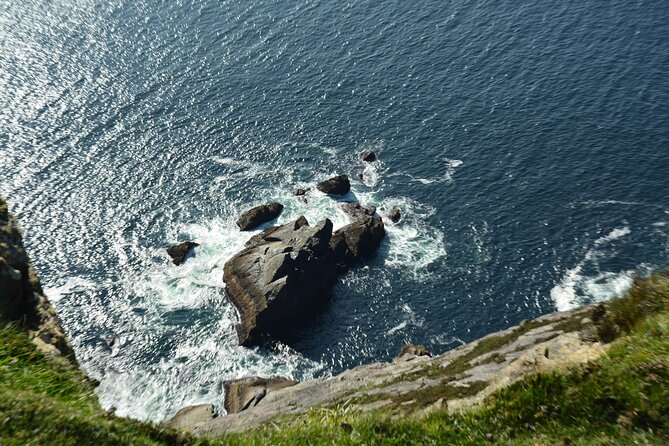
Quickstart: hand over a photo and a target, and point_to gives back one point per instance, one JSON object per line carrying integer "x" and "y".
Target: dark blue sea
{"x": 526, "y": 144}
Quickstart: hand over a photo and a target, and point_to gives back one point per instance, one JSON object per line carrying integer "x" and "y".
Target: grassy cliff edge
{"x": 620, "y": 398}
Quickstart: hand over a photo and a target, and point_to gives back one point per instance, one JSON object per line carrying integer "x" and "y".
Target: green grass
{"x": 48, "y": 402}
{"x": 620, "y": 399}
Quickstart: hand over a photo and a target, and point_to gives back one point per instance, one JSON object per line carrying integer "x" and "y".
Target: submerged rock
{"x": 395, "y": 215}
{"x": 180, "y": 252}
{"x": 368, "y": 156}
{"x": 282, "y": 274}
{"x": 241, "y": 394}
{"x": 359, "y": 239}
{"x": 339, "y": 185}
{"x": 258, "y": 215}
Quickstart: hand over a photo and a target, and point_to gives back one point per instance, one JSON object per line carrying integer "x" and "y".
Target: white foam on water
{"x": 71, "y": 285}
{"x": 615, "y": 234}
{"x": 447, "y": 177}
{"x": 577, "y": 288}
{"x": 451, "y": 165}
{"x": 397, "y": 328}
{"x": 413, "y": 244}
{"x": 200, "y": 355}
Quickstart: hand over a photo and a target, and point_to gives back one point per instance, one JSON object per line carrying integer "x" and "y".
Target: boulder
{"x": 190, "y": 416}
{"x": 339, "y": 185}
{"x": 241, "y": 394}
{"x": 358, "y": 239}
{"x": 180, "y": 252}
{"x": 258, "y": 215}
{"x": 394, "y": 215}
{"x": 282, "y": 274}
{"x": 298, "y": 192}
{"x": 411, "y": 351}
{"x": 357, "y": 211}
{"x": 368, "y": 156}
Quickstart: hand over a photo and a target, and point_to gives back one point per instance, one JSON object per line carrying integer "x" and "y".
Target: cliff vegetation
{"x": 620, "y": 398}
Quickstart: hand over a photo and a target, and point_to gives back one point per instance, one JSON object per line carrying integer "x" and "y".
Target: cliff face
{"x": 22, "y": 300}
{"x": 455, "y": 380}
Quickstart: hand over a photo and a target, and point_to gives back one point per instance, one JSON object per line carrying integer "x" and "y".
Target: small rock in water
{"x": 339, "y": 185}
{"x": 298, "y": 192}
{"x": 368, "y": 156}
{"x": 180, "y": 252}
{"x": 395, "y": 215}
{"x": 258, "y": 215}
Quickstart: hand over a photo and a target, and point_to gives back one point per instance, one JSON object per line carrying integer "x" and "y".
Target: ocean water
{"x": 526, "y": 144}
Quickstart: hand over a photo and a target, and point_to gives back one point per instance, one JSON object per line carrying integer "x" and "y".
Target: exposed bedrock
{"x": 286, "y": 272}
{"x": 359, "y": 239}
{"x": 411, "y": 351}
{"x": 258, "y": 215}
{"x": 282, "y": 274}
{"x": 339, "y": 185}
{"x": 244, "y": 393}
{"x": 357, "y": 211}
{"x": 22, "y": 300}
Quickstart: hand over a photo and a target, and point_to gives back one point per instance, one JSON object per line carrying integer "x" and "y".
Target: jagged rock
{"x": 22, "y": 299}
{"x": 394, "y": 215}
{"x": 241, "y": 394}
{"x": 357, "y": 211}
{"x": 339, "y": 185}
{"x": 412, "y": 351}
{"x": 282, "y": 274}
{"x": 258, "y": 215}
{"x": 190, "y": 416}
{"x": 180, "y": 252}
{"x": 368, "y": 156}
{"x": 359, "y": 239}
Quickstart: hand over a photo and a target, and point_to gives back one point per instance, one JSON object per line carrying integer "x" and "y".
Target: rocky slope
{"x": 413, "y": 384}
{"x": 22, "y": 300}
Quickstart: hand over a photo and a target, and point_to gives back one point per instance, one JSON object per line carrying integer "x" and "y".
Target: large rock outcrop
{"x": 282, "y": 274}
{"x": 22, "y": 300}
{"x": 258, "y": 215}
{"x": 287, "y": 271}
